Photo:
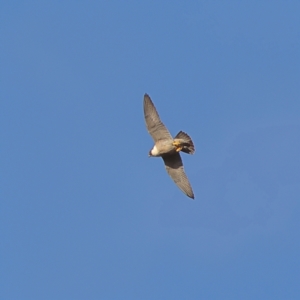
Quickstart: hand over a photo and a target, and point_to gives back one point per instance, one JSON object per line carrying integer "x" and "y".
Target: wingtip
{"x": 190, "y": 194}
{"x": 147, "y": 98}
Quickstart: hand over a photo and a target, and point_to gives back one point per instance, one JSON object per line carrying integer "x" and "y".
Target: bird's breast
{"x": 155, "y": 151}
{"x": 162, "y": 147}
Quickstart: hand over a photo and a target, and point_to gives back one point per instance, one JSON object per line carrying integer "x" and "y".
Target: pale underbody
{"x": 166, "y": 147}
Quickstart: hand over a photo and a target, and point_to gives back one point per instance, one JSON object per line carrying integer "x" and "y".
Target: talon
{"x": 177, "y": 145}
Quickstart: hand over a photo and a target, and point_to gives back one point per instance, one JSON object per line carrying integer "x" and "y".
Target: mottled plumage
{"x": 167, "y": 147}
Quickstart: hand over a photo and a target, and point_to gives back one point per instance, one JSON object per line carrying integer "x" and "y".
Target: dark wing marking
{"x": 155, "y": 127}
{"x": 174, "y": 167}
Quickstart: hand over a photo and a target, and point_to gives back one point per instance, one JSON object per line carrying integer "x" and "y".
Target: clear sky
{"x": 85, "y": 214}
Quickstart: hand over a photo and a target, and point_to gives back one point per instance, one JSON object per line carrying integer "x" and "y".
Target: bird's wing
{"x": 174, "y": 167}
{"x": 155, "y": 127}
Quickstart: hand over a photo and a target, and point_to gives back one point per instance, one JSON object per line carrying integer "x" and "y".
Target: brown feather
{"x": 174, "y": 167}
{"x": 155, "y": 127}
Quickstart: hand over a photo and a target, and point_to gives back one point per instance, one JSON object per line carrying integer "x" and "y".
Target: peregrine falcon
{"x": 168, "y": 148}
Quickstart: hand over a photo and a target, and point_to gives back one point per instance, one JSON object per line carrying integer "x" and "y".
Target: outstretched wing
{"x": 174, "y": 167}
{"x": 155, "y": 127}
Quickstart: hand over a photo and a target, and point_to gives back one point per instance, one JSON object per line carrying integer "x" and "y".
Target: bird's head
{"x": 150, "y": 153}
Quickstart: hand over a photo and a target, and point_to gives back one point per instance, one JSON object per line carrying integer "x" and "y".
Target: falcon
{"x": 168, "y": 148}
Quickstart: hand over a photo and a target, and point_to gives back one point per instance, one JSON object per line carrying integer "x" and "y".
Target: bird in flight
{"x": 168, "y": 148}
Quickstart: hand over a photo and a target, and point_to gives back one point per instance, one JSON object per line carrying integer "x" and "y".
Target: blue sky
{"x": 85, "y": 214}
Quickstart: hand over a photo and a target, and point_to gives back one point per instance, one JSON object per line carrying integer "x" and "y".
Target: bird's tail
{"x": 186, "y": 142}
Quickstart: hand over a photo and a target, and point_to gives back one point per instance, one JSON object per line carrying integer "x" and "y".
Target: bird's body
{"x": 163, "y": 147}
{"x": 167, "y": 147}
